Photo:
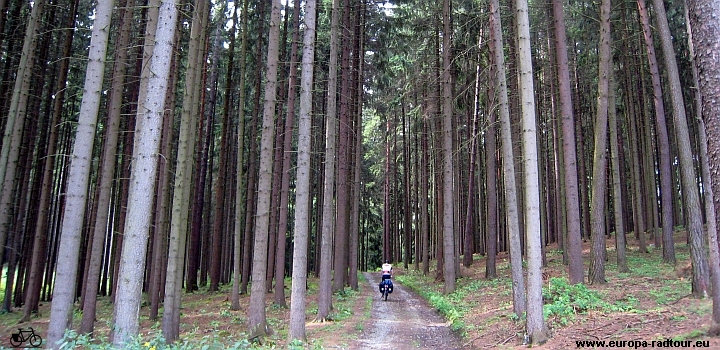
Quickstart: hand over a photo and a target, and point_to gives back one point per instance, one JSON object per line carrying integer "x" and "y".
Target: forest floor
{"x": 650, "y": 303}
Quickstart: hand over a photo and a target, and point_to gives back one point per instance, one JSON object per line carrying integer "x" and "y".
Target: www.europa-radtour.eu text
{"x": 637, "y": 344}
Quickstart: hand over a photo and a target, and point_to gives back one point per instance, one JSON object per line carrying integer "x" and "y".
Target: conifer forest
{"x": 268, "y": 150}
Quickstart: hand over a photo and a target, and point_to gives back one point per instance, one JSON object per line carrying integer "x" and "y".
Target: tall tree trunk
{"x": 219, "y": 190}
{"x": 535, "y": 324}
{"x": 251, "y": 203}
{"x": 76, "y": 197}
{"x": 491, "y": 160}
{"x": 448, "y": 232}
{"x": 615, "y": 147}
{"x": 159, "y": 255}
{"x": 596, "y": 274}
{"x": 663, "y": 141}
{"x": 257, "y": 321}
{"x": 181, "y": 192}
{"x": 302, "y": 196}
{"x": 704, "y": 18}
{"x": 239, "y": 198}
{"x": 107, "y": 169}
{"x": 16, "y": 119}
{"x": 343, "y": 164}
{"x": 142, "y": 181}
{"x": 424, "y": 174}
{"x": 705, "y": 36}
{"x": 279, "y": 291}
{"x": 701, "y": 274}
{"x": 39, "y": 254}
{"x": 469, "y": 241}
{"x": 511, "y": 207}
{"x": 574, "y": 237}
{"x": 325, "y": 291}
{"x": 355, "y": 205}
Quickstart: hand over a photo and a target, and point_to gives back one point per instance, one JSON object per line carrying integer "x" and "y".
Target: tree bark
{"x": 448, "y": 231}
{"x": 142, "y": 182}
{"x": 596, "y": 274}
{"x": 574, "y": 229}
{"x": 39, "y": 254}
{"x": 704, "y": 18}
{"x": 76, "y": 197}
{"x": 181, "y": 192}
{"x": 16, "y": 119}
{"x": 511, "y": 206}
{"x": 325, "y": 291}
{"x": 701, "y": 274}
{"x": 535, "y": 324}
{"x": 615, "y": 147}
{"x": 279, "y": 290}
{"x": 239, "y": 198}
{"x": 107, "y": 169}
{"x": 302, "y": 196}
{"x": 663, "y": 141}
{"x": 257, "y": 321}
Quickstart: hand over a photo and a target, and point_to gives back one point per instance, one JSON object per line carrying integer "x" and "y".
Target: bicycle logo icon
{"x": 23, "y": 336}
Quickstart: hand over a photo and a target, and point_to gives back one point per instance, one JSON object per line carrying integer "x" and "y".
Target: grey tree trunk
{"x": 572, "y": 196}
{"x": 107, "y": 169}
{"x": 491, "y": 185}
{"x": 181, "y": 192}
{"x": 708, "y": 190}
{"x": 61, "y": 310}
{"x": 535, "y": 324}
{"x": 448, "y": 231}
{"x": 239, "y": 186}
{"x": 704, "y": 18}
{"x": 142, "y": 181}
{"x": 511, "y": 212}
{"x": 701, "y": 272}
{"x": 620, "y": 240}
{"x": 302, "y": 196}
{"x": 257, "y": 321}
{"x": 325, "y": 292}
{"x": 663, "y": 141}
{"x": 596, "y": 274}
{"x": 39, "y": 254}
{"x": 279, "y": 290}
{"x": 15, "y": 123}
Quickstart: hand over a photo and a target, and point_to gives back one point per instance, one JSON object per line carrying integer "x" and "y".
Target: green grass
{"x": 452, "y": 306}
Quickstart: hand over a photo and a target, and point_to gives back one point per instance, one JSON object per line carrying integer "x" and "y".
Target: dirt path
{"x": 404, "y": 321}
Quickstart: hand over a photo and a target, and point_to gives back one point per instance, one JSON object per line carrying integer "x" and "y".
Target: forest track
{"x": 404, "y": 321}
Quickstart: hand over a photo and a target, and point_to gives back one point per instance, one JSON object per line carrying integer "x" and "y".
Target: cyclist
{"x": 386, "y": 270}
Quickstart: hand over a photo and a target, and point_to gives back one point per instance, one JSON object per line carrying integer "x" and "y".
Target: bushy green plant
{"x": 564, "y": 300}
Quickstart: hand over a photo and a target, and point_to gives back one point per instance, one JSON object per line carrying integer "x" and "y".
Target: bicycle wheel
{"x": 15, "y": 341}
{"x": 386, "y": 293}
{"x": 35, "y": 340}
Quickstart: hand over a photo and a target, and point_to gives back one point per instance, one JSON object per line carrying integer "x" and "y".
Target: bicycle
{"x": 386, "y": 287}
{"x": 25, "y": 336}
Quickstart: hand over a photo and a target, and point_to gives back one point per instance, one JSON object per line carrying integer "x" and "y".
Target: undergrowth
{"x": 450, "y": 306}
{"x": 155, "y": 341}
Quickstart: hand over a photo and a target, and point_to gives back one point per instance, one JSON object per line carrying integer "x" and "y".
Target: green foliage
{"x": 627, "y": 304}
{"x": 563, "y": 301}
{"x": 696, "y": 333}
{"x": 155, "y": 341}
{"x": 451, "y": 306}
{"x": 670, "y": 292}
